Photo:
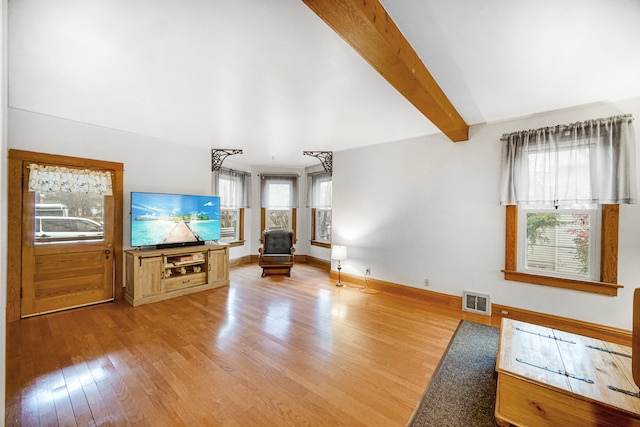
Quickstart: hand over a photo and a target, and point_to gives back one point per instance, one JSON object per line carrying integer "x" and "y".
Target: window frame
{"x": 319, "y": 190}
{"x": 263, "y": 223}
{"x": 240, "y": 221}
{"x": 242, "y": 180}
{"x": 608, "y": 257}
{"x": 313, "y": 240}
{"x": 593, "y": 257}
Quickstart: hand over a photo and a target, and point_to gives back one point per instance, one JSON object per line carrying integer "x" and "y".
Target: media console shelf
{"x": 166, "y": 273}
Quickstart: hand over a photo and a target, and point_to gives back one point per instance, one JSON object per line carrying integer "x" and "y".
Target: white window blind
{"x": 319, "y": 190}
{"x": 279, "y": 191}
{"x": 234, "y": 188}
{"x": 572, "y": 166}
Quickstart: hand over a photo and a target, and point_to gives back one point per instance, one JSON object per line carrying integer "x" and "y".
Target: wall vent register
{"x": 476, "y": 303}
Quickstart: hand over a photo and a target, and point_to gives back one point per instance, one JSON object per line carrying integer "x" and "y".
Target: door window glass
{"x": 64, "y": 216}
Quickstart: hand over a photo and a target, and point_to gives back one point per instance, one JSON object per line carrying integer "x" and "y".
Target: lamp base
{"x": 339, "y": 284}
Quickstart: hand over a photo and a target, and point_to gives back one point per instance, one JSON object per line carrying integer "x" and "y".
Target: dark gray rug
{"x": 462, "y": 392}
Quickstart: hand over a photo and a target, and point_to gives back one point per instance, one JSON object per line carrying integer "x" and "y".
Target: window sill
{"x": 321, "y": 244}
{"x": 601, "y": 288}
{"x": 235, "y": 243}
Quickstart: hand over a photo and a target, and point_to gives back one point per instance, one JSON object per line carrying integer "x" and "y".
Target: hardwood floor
{"x": 273, "y": 351}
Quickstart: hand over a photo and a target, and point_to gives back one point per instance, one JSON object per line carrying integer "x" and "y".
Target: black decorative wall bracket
{"x": 219, "y": 154}
{"x": 325, "y": 157}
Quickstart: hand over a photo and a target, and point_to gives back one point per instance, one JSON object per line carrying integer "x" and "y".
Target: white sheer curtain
{"x": 279, "y": 192}
{"x": 234, "y": 188}
{"x": 49, "y": 179}
{"x": 319, "y": 190}
{"x": 577, "y": 165}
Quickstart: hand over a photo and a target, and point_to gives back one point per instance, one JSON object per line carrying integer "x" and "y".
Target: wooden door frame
{"x": 17, "y": 158}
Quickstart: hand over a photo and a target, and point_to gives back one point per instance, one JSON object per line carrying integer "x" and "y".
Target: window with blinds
{"x": 319, "y": 199}
{"x": 563, "y": 243}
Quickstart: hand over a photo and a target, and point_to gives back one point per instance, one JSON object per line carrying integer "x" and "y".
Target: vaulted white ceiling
{"x": 271, "y": 78}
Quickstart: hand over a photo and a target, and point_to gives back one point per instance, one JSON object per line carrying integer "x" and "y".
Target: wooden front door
{"x": 69, "y": 252}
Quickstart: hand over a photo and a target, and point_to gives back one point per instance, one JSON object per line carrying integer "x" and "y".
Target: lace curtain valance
{"x": 60, "y": 179}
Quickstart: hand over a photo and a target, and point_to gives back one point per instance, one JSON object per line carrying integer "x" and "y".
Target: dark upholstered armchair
{"x": 276, "y": 255}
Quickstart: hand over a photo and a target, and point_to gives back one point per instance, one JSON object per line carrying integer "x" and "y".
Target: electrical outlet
{"x": 367, "y": 272}
{"x": 426, "y": 282}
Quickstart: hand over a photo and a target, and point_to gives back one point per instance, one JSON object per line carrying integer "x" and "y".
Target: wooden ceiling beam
{"x": 367, "y": 27}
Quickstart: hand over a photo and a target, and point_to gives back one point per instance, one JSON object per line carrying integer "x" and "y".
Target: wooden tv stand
{"x": 550, "y": 377}
{"x": 156, "y": 275}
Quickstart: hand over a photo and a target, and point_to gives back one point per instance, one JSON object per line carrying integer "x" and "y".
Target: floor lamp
{"x": 339, "y": 253}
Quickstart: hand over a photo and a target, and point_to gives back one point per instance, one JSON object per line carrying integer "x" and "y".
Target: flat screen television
{"x": 173, "y": 220}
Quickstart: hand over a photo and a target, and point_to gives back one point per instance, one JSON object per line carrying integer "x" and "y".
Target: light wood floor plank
{"x": 278, "y": 351}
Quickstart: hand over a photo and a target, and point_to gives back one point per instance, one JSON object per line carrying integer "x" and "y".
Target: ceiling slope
{"x": 273, "y": 79}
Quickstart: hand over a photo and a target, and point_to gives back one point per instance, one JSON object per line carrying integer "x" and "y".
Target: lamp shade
{"x": 339, "y": 252}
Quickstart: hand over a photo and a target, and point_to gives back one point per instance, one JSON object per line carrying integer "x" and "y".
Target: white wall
{"x": 409, "y": 210}
{"x": 429, "y": 208}
{"x": 252, "y": 215}
{"x": 302, "y": 225}
{"x": 235, "y": 162}
{"x": 150, "y": 164}
{"x": 3, "y": 199}
{"x": 314, "y": 251}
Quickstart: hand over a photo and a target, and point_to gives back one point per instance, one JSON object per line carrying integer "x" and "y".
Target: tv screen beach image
{"x": 159, "y": 219}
